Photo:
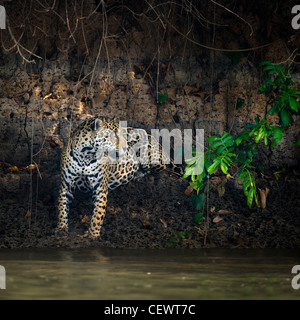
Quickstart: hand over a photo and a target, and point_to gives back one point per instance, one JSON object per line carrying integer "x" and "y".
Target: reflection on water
{"x": 142, "y": 274}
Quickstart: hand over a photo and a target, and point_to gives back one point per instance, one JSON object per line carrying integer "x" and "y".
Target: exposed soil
{"x": 150, "y": 213}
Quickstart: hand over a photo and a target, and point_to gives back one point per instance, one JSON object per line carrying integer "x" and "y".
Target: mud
{"x": 151, "y": 213}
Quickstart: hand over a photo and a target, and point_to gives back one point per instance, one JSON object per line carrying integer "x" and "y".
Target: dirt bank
{"x": 153, "y": 213}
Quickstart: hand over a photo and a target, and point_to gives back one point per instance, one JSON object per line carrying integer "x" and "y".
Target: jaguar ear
{"x": 98, "y": 125}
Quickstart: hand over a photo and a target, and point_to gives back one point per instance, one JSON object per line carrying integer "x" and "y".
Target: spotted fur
{"x": 87, "y": 164}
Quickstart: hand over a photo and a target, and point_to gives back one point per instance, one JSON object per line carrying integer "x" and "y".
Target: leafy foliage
{"x": 228, "y": 151}
{"x": 279, "y": 87}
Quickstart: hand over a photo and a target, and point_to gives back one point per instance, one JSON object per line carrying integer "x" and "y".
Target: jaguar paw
{"x": 91, "y": 236}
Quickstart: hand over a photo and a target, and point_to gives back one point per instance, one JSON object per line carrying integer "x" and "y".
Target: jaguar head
{"x": 106, "y": 141}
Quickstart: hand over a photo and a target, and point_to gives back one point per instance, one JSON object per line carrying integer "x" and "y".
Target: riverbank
{"x": 156, "y": 213}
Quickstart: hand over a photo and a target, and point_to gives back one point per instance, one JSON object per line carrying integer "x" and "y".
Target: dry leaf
{"x": 164, "y": 223}
{"x": 212, "y": 209}
{"x": 31, "y": 167}
{"x": 188, "y": 190}
{"x": 28, "y": 214}
{"x": 224, "y": 211}
{"x": 263, "y": 197}
{"x": 217, "y": 219}
{"x": 48, "y": 96}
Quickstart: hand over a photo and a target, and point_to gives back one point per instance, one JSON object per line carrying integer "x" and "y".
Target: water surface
{"x": 147, "y": 274}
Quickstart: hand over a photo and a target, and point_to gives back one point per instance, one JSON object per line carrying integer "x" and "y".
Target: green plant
{"x": 162, "y": 97}
{"x": 237, "y": 151}
{"x": 279, "y": 87}
{"x": 282, "y": 94}
{"x": 198, "y": 198}
{"x": 181, "y": 235}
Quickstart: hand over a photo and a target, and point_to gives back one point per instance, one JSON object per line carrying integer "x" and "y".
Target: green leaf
{"x": 242, "y": 175}
{"x": 198, "y": 217}
{"x": 215, "y": 144}
{"x": 285, "y": 117}
{"x": 191, "y": 161}
{"x": 188, "y": 171}
{"x": 181, "y": 234}
{"x": 238, "y": 140}
{"x": 224, "y": 135}
{"x": 250, "y": 197}
{"x": 294, "y": 104}
{"x": 298, "y": 143}
{"x": 277, "y": 133}
{"x": 266, "y": 140}
{"x": 259, "y": 135}
{"x": 207, "y": 164}
{"x": 227, "y": 161}
{"x": 224, "y": 167}
{"x": 198, "y": 200}
{"x": 274, "y": 109}
{"x": 229, "y": 142}
{"x": 268, "y": 67}
{"x": 262, "y": 88}
{"x": 220, "y": 149}
{"x": 246, "y": 183}
{"x": 212, "y": 139}
{"x": 196, "y": 185}
{"x": 250, "y": 154}
{"x": 264, "y": 63}
{"x": 162, "y": 97}
{"x": 214, "y": 166}
{"x": 174, "y": 240}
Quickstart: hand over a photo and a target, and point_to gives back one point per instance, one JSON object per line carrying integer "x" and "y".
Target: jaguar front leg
{"x": 100, "y": 201}
{"x": 64, "y": 200}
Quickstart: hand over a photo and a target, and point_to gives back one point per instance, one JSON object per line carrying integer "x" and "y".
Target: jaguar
{"x": 101, "y": 155}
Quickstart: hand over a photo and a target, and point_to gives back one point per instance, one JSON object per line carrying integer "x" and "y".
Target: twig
{"x": 68, "y": 23}
{"x": 18, "y": 45}
{"x": 220, "y": 5}
{"x": 220, "y": 49}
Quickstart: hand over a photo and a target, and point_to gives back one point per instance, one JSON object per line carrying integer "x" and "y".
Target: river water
{"x": 149, "y": 274}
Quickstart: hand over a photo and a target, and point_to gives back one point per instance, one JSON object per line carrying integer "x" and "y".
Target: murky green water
{"x": 142, "y": 274}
